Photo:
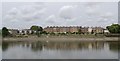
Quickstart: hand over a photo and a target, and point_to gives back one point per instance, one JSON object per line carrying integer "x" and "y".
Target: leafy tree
{"x": 5, "y": 32}
{"x": 52, "y": 33}
{"x": 79, "y": 31}
{"x": 36, "y": 28}
{"x": 114, "y": 28}
{"x": 44, "y": 32}
{"x": 92, "y": 32}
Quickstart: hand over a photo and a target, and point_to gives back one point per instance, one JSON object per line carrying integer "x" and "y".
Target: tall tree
{"x": 5, "y": 32}
{"x": 114, "y": 28}
{"x": 36, "y": 28}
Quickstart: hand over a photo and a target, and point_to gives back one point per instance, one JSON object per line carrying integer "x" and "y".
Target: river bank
{"x": 61, "y": 39}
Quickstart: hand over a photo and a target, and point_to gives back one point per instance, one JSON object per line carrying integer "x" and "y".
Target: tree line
{"x": 114, "y": 29}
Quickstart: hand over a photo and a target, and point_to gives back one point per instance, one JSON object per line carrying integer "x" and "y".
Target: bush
{"x": 112, "y": 35}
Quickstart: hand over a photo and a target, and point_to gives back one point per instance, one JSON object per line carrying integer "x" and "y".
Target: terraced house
{"x": 64, "y": 29}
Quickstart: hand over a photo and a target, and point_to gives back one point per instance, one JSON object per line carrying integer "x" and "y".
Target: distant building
{"x": 84, "y": 30}
{"x": 106, "y": 31}
{"x": 90, "y": 30}
{"x": 27, "y": 31}
{"x": 64, "y": 29}
{"x": 61, "y": 29}
{"x": 98, "y": 30}
{"x": 13, "y": 32}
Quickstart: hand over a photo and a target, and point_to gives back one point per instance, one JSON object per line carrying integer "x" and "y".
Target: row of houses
{"x": 60, "y": 29}
{"x": 63, "y": 29}
{"x": 15, "y": 32}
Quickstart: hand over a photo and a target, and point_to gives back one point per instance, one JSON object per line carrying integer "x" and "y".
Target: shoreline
{"x": 31, "y": 39}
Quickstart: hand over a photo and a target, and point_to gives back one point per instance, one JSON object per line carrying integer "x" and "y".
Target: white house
{"x": 90, "y": 30}
{"x": 106, "y": 31}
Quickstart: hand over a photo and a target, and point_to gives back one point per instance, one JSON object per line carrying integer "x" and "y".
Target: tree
{"x": 79, "y": 31}
{"x": 40, "y": 29}
{"x": 36, "y": 28}
{"x": 5, "y": 32}
{"x": 43, "y": 32}
{"x": 92, "y": 32}
{"x": 114, "y": 28}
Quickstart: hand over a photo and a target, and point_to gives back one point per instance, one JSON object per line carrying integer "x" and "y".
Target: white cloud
{"x": 51, "y": 19}
{"x": 107, "y": 15}
{"x": 91, "y": 4}
{"x": 67, "y": 12}
{"x": 91, "y": 11}
{"x": 26, "y": 13}
{"x": 12, "y": 15}
{"x": 13, "y": 11}
{"x": 92, "y": 14}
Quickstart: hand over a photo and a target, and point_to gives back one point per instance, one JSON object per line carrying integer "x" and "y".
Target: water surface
{"x": 60, "y": 50}
{"x": 0, "y": 52}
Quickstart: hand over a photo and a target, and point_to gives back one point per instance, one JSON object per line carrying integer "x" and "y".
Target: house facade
{"x": 106, "y": 31}
{"x": 13, "y": 32}
{"x": 16, "y": 32}
{"x": 64, "y": 29}
{"x": 98, "y": 30}
{"x": 60, "y": 29}
{"x": 27, "y": 31}
{"x": 84, "y": 30}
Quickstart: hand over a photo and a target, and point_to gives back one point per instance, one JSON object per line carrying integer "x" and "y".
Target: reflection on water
{"x": 0, "y": 52}
{"x": 60, "y": 50}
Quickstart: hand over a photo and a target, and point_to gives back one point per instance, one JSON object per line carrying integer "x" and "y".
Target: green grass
{"x": 74, "y": 36}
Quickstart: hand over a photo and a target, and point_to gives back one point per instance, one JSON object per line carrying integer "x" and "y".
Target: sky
{"x": 60, "y": 0}
{"x": 23, "y": 15}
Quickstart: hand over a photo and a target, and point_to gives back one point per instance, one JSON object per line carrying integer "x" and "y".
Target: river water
{"x": 60, "y": 50}
{"x": 0, "y": 52}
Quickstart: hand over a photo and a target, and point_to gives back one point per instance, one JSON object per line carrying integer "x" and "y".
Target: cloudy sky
{"x": 25, "y": 14}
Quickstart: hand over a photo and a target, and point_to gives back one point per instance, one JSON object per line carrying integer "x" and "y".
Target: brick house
{"x": 98, "y": 30}
{"x": 84, "y": 30}
{"x": 64, "y": 29}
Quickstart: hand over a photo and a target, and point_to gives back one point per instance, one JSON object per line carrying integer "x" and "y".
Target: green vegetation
{"x": 0, "y": 32}
{"x": 5, "y": 32}
{"x": 114, "y": 28}
{"x": 36, "y": 28}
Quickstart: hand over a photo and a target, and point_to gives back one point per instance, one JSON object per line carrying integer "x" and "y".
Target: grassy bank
{"x": 61, "y": 38}
{"x": 80, "y": 37}
{"x": 71, "y": 35}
